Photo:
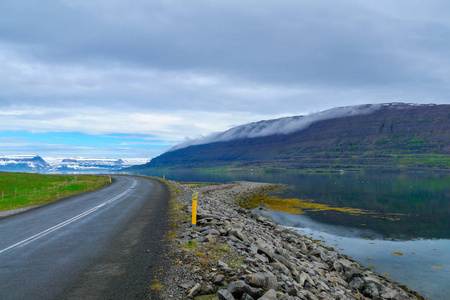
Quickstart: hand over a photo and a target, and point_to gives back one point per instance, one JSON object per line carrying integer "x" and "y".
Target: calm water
{"x": 404, "y": 234}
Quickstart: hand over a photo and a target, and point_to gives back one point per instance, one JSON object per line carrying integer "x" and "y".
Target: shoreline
{"x": 234, "y": 253}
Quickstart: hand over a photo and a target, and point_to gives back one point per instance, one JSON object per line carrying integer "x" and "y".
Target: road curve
{"x": 100, "y": 245}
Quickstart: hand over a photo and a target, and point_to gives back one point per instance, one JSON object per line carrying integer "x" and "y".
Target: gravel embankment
{"x": 235, "y": 253}
{"x": 7, "y": 213}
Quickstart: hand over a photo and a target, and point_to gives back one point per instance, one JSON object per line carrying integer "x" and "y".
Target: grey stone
{"x": 357, "y": 283}
{"x": 238, "y": 288}
{"x": 211, "y": 238}
{"x": 279, "y": 266}
{"x": 187, "y": 285}
{"x": 337, "y": 266}
{"x": 247, "y": 297}
{"x": 262, "y": 258}
{"x": 200, "y": 239}
{"x": 238, "y": 233}
{"x": 183, "y": 242}
{"x": 218, "y": 279}
{"x": 207, "y": 289}
{"x": 271, "y": 282}
{"x": 211, "y": 232}
{"x": 255, "y": 280}
{"x": 224, "y": 295}
{"x": 195, "y": 290}
{"x": 283, "y": 260}
{"x": 222, "y": 264}
{"x": 253, "y": 249}
{"x": 269, "y": 295}
{"x": 292, "y": 291}
{"x": 262, "y": 249}
{"x": 305, "y": 278}
{"x": 371, "y": 290}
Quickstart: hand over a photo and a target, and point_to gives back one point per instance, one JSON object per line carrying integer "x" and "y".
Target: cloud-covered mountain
{"x": 279, "y": 126}
{"x": 387, "y": 136}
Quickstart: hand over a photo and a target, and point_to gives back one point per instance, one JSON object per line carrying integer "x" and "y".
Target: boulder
{"x": 224, "y": 295}
{"x": 238, "y": 288}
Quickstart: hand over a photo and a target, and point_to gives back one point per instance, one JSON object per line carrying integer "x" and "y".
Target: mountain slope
{"x": 390, "y": 136}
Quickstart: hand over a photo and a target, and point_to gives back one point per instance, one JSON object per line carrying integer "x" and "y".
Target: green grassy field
{"x": 27, "y": 189}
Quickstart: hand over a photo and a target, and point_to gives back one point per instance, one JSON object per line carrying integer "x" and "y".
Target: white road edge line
{"x": 69, "y": 221}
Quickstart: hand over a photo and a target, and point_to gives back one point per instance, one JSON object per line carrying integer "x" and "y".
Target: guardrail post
{"x": 194, "y": 209}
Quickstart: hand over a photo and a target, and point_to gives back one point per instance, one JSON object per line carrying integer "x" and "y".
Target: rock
{"x": 255, "y": 280}
{"x": 187, "y": 285}
{"x": 357, "y": 283}
{"x": 195, "y": 290}
{"x": 305, "y": 278}
{"x": 247, "y": 297}
{"x": 183, "y": 242}
{"x": 292, "y": 291}
{"x": 224, "y": 295}
{"x": 211, "y": 232}
{"x": 279, "y": 266}
{"x": 269, "y": 295}
{"x": 207, "y": 289}
{"x": 253, "y": 249}
{"x": 211, "y": 238}
{"x": 270, "y": 282}
{"x": 337, "y": 266}
{"x": 371, "y": 291}
{"x": 238, "y": 288}
{"x": 200, "y": 239}
{"x": 283, "y": 260}
{"x": 262, "y": 258}
{"x": 217, "y": 280}
{"x": 222, "y": 264}
{"x": 265, "y": 281}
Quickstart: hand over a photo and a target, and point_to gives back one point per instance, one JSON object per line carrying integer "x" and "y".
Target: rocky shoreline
{"x": 234, "y": 253}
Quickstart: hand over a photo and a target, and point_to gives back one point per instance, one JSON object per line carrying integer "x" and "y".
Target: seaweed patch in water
{"x": 263, "y": 201}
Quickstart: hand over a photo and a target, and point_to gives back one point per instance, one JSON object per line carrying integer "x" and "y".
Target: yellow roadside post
{"x": 194, "y": 209}
{"x": 164, "y": 177}
{"x": 109, "y": 176}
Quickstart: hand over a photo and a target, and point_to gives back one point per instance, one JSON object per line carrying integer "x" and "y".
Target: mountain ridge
{"x": 394, "y": 136}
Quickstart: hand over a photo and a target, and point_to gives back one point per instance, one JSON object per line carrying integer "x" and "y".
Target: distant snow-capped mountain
{"x": 89, "y": 164}
{"x": 23, "y": 163}
{"x": 35, "y": 163}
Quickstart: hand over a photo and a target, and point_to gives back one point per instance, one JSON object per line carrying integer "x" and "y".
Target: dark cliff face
{"x": 400, "y": 130}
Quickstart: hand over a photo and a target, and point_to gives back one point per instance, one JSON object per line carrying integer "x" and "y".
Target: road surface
{"x": 99, "y": 245}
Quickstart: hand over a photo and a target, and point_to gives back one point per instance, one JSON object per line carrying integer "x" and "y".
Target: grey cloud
{"x": 257, "y": 58}
{"x": 296, "y": 42}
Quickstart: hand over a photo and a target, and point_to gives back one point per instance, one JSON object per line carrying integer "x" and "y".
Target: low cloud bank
{"x": 278, "y": 126}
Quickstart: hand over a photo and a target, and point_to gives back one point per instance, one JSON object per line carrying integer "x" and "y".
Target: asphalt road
{"x": 100, "y": 245}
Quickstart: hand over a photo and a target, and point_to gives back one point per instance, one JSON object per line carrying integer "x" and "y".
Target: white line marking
{"x": 69, "y": 221}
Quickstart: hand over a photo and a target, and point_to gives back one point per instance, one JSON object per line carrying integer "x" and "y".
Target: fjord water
{"x": 401, "y": 229}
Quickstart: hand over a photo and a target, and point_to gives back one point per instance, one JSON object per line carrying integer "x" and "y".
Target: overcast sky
{"x": 111, "y": 78}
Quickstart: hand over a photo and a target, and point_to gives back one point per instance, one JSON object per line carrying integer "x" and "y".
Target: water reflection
{"x": 423, "y": 264}
{"x": 406, "y": 237}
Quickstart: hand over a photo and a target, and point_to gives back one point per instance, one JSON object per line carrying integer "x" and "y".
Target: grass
{"x": 29, "y": 189}
{"x": 157, "y": 287}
